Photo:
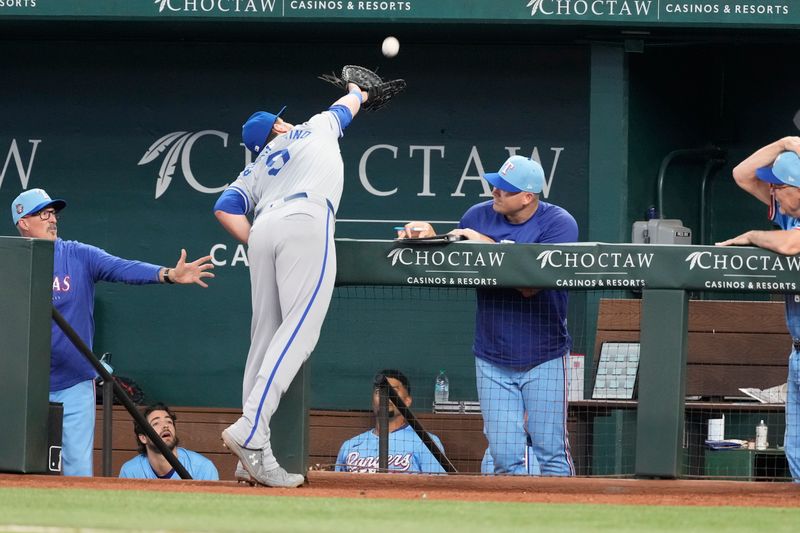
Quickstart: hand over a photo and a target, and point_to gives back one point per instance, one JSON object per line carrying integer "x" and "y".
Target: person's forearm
{"x": 237, "y": 225}
{"x": 763, "y": 157}
{"x": 784, "y": 242}
{"x": 351, "y": 100}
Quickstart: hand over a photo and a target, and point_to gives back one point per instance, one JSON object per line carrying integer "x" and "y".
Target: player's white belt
{"x": 297, "y": 196}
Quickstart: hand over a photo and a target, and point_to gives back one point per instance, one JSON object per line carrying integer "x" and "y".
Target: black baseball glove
{"x": 379, "y": 92}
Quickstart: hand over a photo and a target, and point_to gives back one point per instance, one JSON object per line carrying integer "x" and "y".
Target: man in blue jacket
{"x": 521, "y": 339}
{"x": 76, "y": 269}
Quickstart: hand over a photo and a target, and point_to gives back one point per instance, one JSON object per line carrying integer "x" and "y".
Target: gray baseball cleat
{"x": 242, "y": 475}
{"x": 252, "y": 461}
{"x": 278, "y": 477}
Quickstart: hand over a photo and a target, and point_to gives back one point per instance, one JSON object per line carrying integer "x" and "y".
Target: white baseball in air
{"x": 390, "y": 46}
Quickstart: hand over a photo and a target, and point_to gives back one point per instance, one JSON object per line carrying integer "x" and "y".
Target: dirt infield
{"x": 466, "y": 488}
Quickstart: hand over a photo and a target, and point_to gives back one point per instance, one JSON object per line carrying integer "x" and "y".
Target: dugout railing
{"x": 662, "y": 428}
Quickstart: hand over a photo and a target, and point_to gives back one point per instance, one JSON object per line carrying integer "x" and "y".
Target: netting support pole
{"x": 662, "y": 383}
{"x": 108, "y": 405}
{"x": 383, "y": 427}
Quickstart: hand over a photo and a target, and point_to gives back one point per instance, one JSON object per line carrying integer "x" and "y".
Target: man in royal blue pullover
{"x": 76, "y": 269}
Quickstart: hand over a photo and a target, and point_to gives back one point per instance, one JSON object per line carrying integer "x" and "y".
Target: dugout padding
{"x": 26, "y": 273}
{"x": 732, "y": 344}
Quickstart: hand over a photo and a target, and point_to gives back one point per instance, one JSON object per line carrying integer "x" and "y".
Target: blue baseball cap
{"x": 785, "y": 170}
{"x": 518, "y": 174}
{"x": 33, "y": 201}
{"x": 257, "y": 128}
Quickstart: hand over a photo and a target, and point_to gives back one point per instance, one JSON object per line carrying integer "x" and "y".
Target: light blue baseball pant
{"x": 506, "y": 395}
{"x": 791, "y": 438}
{"x": 77, "y": 438}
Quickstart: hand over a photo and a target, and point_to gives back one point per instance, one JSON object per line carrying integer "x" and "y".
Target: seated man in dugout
{"x": 151, "y": 464}
{"x": 407, "y": 453}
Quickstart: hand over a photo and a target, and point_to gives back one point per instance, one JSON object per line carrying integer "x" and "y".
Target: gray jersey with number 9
{"x": 306, "y": 159}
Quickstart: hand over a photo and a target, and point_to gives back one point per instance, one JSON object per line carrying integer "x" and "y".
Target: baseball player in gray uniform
{"x": 292, "y": 189}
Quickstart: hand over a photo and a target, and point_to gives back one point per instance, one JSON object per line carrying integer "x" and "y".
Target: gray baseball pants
{"x": 292, "y": 259}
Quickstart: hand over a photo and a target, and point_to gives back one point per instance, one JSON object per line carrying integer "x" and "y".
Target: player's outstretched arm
{"x": 351, "y": 100}
{"x": 185, "y": 273}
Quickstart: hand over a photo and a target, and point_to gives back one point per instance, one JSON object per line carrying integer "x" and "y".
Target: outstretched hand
{"x": 193, "y": 272}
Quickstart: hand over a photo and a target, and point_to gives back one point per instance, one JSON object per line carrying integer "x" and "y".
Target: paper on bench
{"x": 726, "y": 444}
{"x": 775, "y": 394}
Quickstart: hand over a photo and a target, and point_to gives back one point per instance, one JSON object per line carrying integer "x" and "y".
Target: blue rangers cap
{"x": 33, "y": 201}
{"x": 785, "y": 170}
{"x": 518, "y": 174}
{"x": 257, "y": 128}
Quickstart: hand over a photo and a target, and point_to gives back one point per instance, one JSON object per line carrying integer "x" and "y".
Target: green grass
{"x": 169, "y": 511}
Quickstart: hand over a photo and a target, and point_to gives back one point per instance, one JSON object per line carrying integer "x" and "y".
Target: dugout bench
{"x": 731, "y": 344}
{"x": 664, "y": 274}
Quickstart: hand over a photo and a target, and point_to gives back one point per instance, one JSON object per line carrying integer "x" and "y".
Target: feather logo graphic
{"x": 544, "y": 257}
{"x": 178, "y": 146}
{"x": 395, "y": 255}
{"x": 163, "y": 4}
{"x": 694, "y": 260}
{"x": 171, "y": 159}
{"x": 535, "y": 6}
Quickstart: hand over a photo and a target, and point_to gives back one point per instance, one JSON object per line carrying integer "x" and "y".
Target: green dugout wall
{"x": 26, "y": 268}
{"x": 599, "y": 100}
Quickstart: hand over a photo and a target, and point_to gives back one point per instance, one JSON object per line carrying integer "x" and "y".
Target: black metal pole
{"x": 108, "y": 403}
{"x": 418, "y": 429}
{"x": 126, "y": 401}
{"x": 383, "y": 425}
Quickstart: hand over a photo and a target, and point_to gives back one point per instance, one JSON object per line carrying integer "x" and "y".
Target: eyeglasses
{"x": 45, "y": 214}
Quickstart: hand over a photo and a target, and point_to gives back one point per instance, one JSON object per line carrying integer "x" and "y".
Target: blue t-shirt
{"x": 407, "y": 453}
{"x": 76, "y": 269}
{"x": 198, "y": 467}
{"x": 787, "y": 222}
{"x": 511, "y": 330}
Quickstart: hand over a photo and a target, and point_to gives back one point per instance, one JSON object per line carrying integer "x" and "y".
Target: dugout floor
{"x": 467, "y": 488}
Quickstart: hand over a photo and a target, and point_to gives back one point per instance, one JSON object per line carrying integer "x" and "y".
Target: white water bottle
{"x": 761, "y": 436}
{"x": 441, "y": 389}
